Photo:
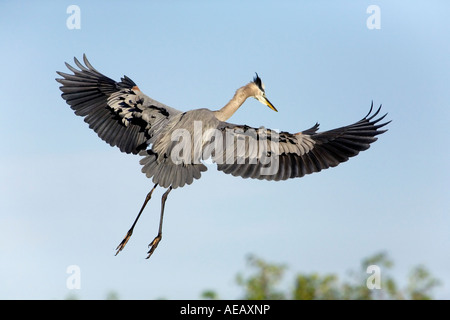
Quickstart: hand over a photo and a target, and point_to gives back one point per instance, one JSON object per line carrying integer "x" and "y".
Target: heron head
{"x": 260, "y": 94}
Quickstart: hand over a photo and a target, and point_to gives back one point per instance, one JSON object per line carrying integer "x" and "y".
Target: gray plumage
{"x": 124, "y": 117}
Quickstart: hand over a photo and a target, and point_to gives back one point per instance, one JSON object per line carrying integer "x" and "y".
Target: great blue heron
{"x": 174, "y": 143}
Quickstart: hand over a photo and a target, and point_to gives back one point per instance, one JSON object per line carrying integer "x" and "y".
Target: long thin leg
{"x": 130, "y": 232}
{"x": 158, "y": 238}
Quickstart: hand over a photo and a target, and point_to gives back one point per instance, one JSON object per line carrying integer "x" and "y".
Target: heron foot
{"x": 124, "y": 241}
{"x": 153, "y": 245}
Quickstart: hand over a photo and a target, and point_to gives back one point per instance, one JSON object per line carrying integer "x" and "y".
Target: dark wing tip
{"x": 311, "y": 130}
{"x": 370, "y": 118}
{"x": 87, "y": 63}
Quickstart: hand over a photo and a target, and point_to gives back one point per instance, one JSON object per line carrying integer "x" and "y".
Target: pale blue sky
{"x": 68, "y": 198}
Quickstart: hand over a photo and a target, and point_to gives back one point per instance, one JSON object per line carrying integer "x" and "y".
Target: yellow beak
{"x": 269, "y": 104}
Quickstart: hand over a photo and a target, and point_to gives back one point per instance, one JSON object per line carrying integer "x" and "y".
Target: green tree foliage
{"x": 372, "y": 281}
{"x": 316, "y": 287}
{"x": 210, "y": 295}
{"x": 262, "y": 285}
{"x": 421, "y": 283}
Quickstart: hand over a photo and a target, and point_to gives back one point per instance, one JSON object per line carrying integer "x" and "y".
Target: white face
{"x": 261, "y": 97}
{"x": 259, "y": 93}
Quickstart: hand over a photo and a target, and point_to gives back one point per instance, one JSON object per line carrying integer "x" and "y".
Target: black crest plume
{"x": 258, "y": 82}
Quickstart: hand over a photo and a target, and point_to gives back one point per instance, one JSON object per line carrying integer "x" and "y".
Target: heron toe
{"x": 153, "y": 245}
{"x": 124, "y": 242}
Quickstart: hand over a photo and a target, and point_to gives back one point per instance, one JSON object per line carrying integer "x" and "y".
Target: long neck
{"x": 230, "y": 108}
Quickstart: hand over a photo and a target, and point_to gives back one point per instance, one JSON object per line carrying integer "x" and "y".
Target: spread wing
{"x": 265, "y": 154}
{"x": 118, "y": 112}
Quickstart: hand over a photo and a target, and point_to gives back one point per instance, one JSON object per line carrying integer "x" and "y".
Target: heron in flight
{"x": 174, "y": 143}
